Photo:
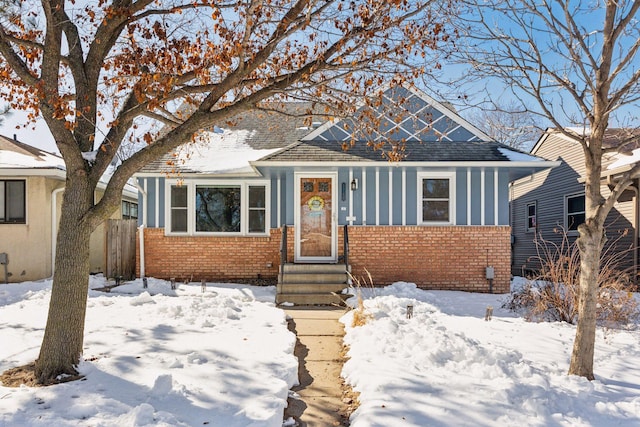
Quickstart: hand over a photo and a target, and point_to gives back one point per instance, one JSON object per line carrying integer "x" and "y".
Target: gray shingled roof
{"x": 331, "y": 151}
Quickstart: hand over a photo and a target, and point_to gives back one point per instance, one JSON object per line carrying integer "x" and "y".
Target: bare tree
{"x": 509, "y": 123}
{"x": 579, "y": 61}
{"x": 94, "y": 70}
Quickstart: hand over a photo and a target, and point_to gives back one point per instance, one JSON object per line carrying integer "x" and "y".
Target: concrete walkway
{"x": 320, "y": 401}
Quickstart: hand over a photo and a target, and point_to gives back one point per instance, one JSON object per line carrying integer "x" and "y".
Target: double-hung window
{"x": 436, "y": 193}
{"x": 574, "y": 211}
{"x": 218, "y": 208}
{"x": 13, "y": 201}
{"x": 532, "y": 216}
{"x": 179, "y": 210}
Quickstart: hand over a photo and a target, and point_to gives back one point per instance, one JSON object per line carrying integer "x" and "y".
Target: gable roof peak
{"x": 400, "y": 113}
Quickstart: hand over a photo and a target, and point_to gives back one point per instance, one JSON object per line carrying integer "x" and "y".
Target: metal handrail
{"x": 283, "y": 247}
{"x": 345, "y": 248}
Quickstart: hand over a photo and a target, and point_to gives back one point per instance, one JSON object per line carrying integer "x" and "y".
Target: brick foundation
{"x": 210, "y": 258}
{"x": 452, "y": 258}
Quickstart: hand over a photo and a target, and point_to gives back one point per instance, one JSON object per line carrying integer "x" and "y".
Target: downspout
{"x": 142, "y": 226}
{"x": 54, "y": 226}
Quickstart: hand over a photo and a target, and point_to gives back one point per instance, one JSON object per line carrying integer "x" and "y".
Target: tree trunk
{"x": 590, "y": 246}
{"x": 63, "y": 338}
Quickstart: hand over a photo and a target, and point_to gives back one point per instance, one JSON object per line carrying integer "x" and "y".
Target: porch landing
{"x": 312, "y": 284}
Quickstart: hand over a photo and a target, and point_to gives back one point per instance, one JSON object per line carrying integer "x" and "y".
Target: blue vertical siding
{"x": 461, "y": 197}
{"x": 383, "y": 191}
{"x": 489, "y": 197}
{"x": 475, "y": 197}
{"x": 357, "y": 197}
{"x": 371, "y": 196}
{"x": 151, "y": 202}
{"x": 161, "y": 205}
{"x": 343, "y": 205}
{"x": 503, "y": 197}
{"x": 288, "y": 197}
{"x": 412, "y": 197}
{"x": 274, "y": 202}
{"x": 396, "y": 195}
{"x": 156, "y": 190}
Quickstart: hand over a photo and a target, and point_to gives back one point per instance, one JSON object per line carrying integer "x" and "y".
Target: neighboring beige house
{"x": 31, "y": 189}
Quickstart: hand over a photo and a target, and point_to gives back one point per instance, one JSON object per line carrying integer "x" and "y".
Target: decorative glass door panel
{"x": 316, "y": 225}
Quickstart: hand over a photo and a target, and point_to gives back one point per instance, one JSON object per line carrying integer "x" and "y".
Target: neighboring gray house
{"x": 271, "y": 195}
{"x": 547, "y": 203}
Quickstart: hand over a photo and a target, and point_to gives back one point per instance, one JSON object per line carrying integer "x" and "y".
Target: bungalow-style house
{"x": 271, "y": 197}
{"x": 31, "y": 189}
{"x": 550, "y": 203}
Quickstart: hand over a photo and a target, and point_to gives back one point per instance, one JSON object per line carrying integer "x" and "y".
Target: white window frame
{"x": 527, "y": 216}
{"x": 191, "y": 206}
{"x": 451, "y": 176}
{"x": 566, "y": 212}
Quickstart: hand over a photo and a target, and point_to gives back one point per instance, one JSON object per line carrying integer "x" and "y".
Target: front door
{"x": 315, "y": 223}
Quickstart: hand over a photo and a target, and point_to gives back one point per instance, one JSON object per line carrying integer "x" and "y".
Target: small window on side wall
{"x": 574, "y": 211}
{"x": 13, "y": 201}
{"x": 532, "y": 216}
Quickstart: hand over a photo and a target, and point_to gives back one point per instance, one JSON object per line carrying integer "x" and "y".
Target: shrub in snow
{"x": 551, "y": 294}
{"x": 360, "y": 316}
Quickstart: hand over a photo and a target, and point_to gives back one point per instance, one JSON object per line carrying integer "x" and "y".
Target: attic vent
{"x": 316, "y": 125}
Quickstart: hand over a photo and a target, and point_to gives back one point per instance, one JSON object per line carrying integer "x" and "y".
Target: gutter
{"x": 54, "y": 226}
{"x": 142, "y": 227}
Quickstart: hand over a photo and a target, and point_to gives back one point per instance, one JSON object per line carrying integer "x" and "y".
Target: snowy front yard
{"x": 156, "y": 358}
{"x": 225, "y": 358}
{"x": 447, "y": 366}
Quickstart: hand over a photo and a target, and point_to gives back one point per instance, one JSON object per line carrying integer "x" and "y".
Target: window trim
{"x": 566, "y": 212}
{"x": 451, "y": 176}
{"x": 191, "y": 206}
{"x": 527, "y": 216}
{"x": 22, "y": 220}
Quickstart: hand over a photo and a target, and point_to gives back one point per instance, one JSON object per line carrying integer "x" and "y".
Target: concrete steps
{"x": 312, "y": 284}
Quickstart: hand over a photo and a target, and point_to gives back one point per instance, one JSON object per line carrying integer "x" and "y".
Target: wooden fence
{"x": 121, "y": 248}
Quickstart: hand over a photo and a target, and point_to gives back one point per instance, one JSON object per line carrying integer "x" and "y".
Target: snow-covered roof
{"x": 229, "y": 149}
{"x": 223, "y": 151}
{"x": 518, "y": 156}
{"x": 23, "y": 159}
{"x": 17, "y": 155}
{"x": 625, "y": 159}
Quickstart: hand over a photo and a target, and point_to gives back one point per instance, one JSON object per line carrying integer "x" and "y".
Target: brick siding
{"x": 210, "y": 258}
{"x": 452, "y": 258}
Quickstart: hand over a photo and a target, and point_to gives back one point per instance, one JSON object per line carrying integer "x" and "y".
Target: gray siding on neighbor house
{"x": 548, "y": 190}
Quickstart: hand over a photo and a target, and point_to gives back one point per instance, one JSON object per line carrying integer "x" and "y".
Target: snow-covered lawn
{"x": 447, "y": 366}
{"x": 156, "y": 358}
{"x": 159, "y": 357}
